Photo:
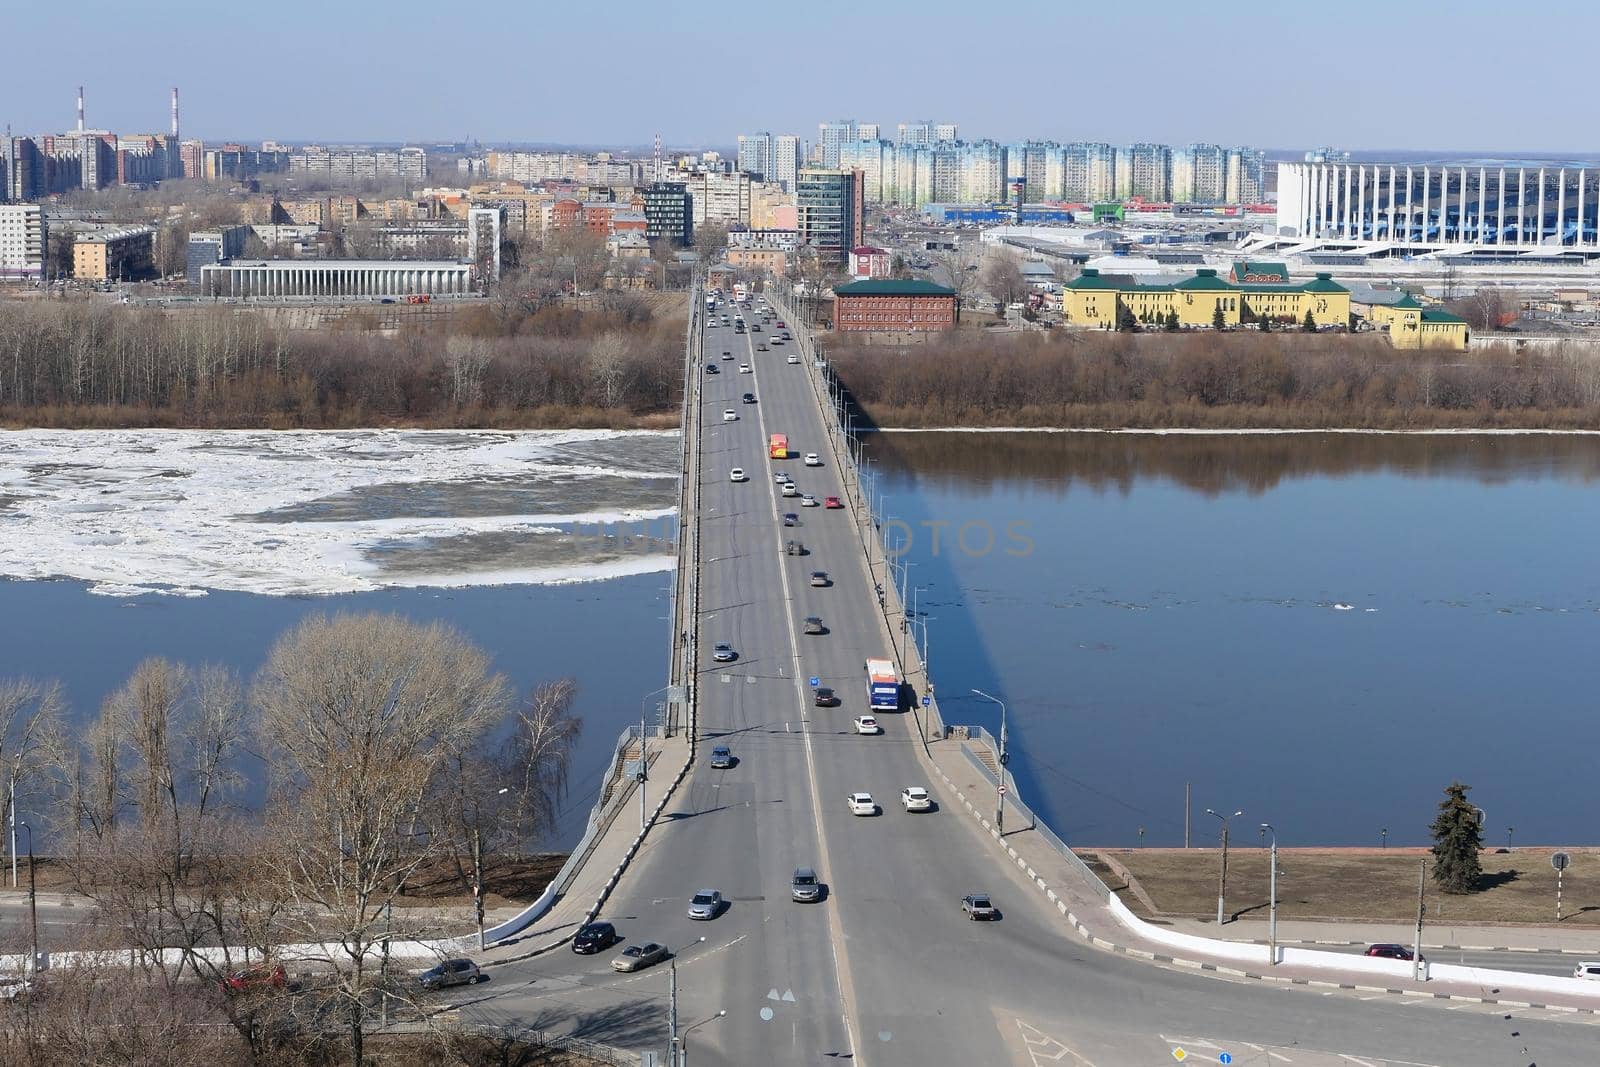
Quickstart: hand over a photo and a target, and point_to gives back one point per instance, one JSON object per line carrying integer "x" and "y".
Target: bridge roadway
{"x": 886, "y": 970}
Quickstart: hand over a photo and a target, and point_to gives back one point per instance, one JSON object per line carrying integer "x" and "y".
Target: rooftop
{"x": 892, "y": 287}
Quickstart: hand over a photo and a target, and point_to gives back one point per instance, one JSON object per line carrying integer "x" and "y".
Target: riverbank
{"x": 1212, "y": 381}
{"x": 1350, "y": 885}
{"x": 541, "y": 417}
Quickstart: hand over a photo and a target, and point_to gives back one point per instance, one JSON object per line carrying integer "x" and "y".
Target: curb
{"x": 1220, "y": 969}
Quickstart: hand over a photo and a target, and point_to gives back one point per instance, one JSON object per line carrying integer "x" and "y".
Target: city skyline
{"x": 1037, "y": 62}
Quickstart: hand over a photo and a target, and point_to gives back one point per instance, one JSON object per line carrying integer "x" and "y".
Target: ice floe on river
{"x": 321, "y": 512}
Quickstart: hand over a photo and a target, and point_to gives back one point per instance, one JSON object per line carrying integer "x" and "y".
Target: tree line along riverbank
{"x": 1213, "y": 381}
{"x": 614, "y": 363}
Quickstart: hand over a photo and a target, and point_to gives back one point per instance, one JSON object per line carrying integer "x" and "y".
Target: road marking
{"x": 1042, "y": 1048}
{"x": 841, "y": 969}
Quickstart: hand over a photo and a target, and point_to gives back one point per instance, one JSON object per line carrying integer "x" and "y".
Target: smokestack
{"x": 80, "y": 109}
{"x": 174, "y": 112}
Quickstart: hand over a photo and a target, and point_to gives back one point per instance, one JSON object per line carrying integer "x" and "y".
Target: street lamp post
{"x": 644, "y": 757}
{"x": 1005, "y": 758}
{"x": 672, "y": 1007}
{"x": 33, "y": 902}
{"x": 1272, "y": 925}
{"x": 1222, "y": 878}
{"x": 683, "y": 1039}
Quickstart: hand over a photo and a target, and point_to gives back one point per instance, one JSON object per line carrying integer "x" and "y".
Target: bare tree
{"x": 360, "y": 715}
{"x": 30, "y": 740}
{"x": 957, "y": 268}
{"x": 1003, "y": 278}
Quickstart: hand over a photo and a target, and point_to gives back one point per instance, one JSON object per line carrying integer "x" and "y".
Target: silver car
{"x": 706, "y": 904}
{"x": 806, "y": 888}
{"x": 449, "y": 973}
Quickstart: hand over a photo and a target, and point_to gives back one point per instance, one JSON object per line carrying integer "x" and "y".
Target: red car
{"x": 1390, "y": 952}
{"x": 832, "y": 502}
{"x": 780, "y": 325}
{"x": 252, "y": 979}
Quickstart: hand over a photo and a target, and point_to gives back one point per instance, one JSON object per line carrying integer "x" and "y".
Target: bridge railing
{"x": 869, "y": 522}
{"x": 682, "y": 642}
{"x": 1014, "y": 801}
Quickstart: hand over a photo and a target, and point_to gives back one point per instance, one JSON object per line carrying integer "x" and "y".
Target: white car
{"x": 813, "y": 460}
{"x": 729, "y": 415}
{"x": 793, "y": 358}
{"x": 915, "y": 798}
{"x": 867, "y": 724}
{"x": 736, "y": 475}
{"x": 790, "y": 489}
{"x": 862, "y": 804}
{"x": 808, "y": 501}
{"x": 1587, "y": 969}
{"x": 744, "y": 368}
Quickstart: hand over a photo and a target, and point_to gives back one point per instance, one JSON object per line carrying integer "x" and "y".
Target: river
{"x": 1322, "y": 630}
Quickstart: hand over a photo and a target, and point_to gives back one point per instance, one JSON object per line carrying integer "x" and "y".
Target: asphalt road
{"x": 886, "y": 970}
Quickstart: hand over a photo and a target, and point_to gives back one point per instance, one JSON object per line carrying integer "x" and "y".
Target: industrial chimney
{"x": 80, "y": 109}
{"x": 174, "y": 113}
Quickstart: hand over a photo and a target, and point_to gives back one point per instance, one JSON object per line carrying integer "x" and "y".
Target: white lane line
{"x": 841, "y": 969}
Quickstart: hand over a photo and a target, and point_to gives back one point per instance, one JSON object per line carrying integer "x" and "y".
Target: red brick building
{"x": 886, "y": 305}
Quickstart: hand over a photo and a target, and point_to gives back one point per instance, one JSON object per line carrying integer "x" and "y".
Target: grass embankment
{"x": 1374, "y": 885}
{"x": 1223, "y": 381}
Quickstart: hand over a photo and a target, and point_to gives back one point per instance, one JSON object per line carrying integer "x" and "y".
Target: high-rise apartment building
{"x": 830, "y": 135}
{"x": 983, "y": 172}
{"x": 24, "y": 241}
{"x": 1145, "y": 170}
{"x": 920, "y": 132}
{"x": 1245, "y": 181}
{"x": 828, "y": 211}
{"x": 668, "y": 213}
{"x": 866, "y": 131}
{"x": 1199, "y": 173}
{"x": 786, "y": 154}
{"x": 945, "y": 131}
{"x": 721, "y": 198}
{"x": 876, "y": 162}
{"x": 755, "y": 154}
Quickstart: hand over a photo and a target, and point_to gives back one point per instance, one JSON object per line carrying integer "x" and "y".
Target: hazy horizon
{"x": 417, "y": 72}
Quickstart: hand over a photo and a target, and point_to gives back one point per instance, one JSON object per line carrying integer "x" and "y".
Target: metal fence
{"x": 1014, "y": 801}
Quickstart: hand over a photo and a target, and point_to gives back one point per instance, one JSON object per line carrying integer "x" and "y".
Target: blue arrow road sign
{"x": 1224, "y": 1057}
{"x": 927, "y": 702}
{"x": 815, "y": 682}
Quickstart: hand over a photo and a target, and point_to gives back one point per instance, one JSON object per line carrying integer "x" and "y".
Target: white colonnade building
{"x": 335, "y": 277}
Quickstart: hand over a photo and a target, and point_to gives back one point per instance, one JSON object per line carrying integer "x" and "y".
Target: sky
{"x": 1358, "y": 74}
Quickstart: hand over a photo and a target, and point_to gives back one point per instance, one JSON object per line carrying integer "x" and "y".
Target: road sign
{"x": 1224, "y": 1057}
{"x": 927, "y": 702}
{"x": 1002, "y": 790}
{"x": 1560, "y": 860}
{"x": 1180, "y": 1054}
{"x": 815, "y": 681}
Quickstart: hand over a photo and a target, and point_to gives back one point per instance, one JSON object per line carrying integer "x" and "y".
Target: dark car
{"x": 791, "y": 519}
{"x": 712, "y": 368}
{"x": 721, "y": 757}
{"x": 749, "y": 398}
{"x": 794, "y": 548}
{"x": 594, "y": 937}
{"x": 449, "y": 973}
{"x": 825, "y": 698}
{"x": 813, "y": 625}
{"x": 762, "y": 348}
{"x": 1390, "y": 952}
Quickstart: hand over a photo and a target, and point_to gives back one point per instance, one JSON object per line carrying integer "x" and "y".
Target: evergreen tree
{"x": 1217, "y": 321}
{"x": 1310, "y": 324}
{"x": 1266, "y": 323}
{"x": 1125, "y": 320}
{"x": 1172, "y": 321}
{"x": 1457, "y": 838}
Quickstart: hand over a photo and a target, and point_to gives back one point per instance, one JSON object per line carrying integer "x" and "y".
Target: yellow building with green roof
{"x": 1410, "y": 325}
{"x": 1203, "y": 300}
